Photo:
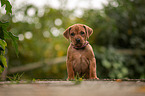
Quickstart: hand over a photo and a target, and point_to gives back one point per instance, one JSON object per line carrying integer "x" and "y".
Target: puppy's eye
{"x": 72, "y": 34}
{"x": 82, "y": 33}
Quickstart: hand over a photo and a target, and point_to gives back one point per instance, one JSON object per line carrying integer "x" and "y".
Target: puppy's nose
{"x": 78, "y": 40}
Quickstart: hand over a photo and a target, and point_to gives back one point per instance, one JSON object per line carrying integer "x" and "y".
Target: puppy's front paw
{"x": 97, "y": 78}
{"x": 70, "y": 79}
{"x": 94, "y": 78}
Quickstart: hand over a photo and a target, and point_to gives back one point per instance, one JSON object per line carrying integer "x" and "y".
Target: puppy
{"x": 80, "y": 57}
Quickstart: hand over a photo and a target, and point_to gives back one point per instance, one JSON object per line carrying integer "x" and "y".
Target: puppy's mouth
{"x": 78, "y": 44}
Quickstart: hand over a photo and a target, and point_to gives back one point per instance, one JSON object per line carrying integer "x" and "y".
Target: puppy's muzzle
{"x": 78, "y": 40}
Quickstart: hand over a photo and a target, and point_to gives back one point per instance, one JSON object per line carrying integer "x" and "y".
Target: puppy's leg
{"x": 70, "y": 70}
{"x": 93, "y": 69}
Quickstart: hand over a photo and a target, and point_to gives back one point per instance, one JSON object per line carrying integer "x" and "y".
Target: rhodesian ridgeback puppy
{"x": 80, "y": 56}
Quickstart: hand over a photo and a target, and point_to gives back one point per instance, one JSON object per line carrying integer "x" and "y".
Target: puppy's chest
{"x": 80, "y": 62}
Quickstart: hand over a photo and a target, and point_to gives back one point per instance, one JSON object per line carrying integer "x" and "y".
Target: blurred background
{"x": 118, "y": 40}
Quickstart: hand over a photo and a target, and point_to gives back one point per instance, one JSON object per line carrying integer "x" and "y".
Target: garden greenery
{"x": 4, "y": 34}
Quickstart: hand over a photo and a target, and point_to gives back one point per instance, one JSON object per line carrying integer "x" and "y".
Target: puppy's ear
{"x": 89, "y": 30}
{"x": 66, "y": 33}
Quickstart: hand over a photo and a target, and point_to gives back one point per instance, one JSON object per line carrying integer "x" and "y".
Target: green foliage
{"x": 14, "y": 40}
{"x": 3, "y": 29}
{"x": 3, "y": 62}
{"x": 120, "y": 25}
{"x": 8, "y": 35}
{"x": 8, "y": 7}
{"x": 33, "y": 80}
{"x": 113, "y": 62}
{"x": 4, "y": 34}
{"x": 3, "y": 46}
{"x": 78, "y": 79}
{"x": 16, "y": 78}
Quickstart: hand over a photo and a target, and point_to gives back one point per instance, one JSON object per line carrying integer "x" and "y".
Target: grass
{"x": 16, "y": 78}
{"x": 78, "y": 79}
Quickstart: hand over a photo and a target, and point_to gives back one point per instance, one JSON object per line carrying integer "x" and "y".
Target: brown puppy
{"x": 80, "y": 56}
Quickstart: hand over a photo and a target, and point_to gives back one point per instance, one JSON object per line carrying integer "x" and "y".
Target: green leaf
{"x": 4, "y": 26}
{"x": 14, "y": 40}
{"x": 2, "y": 2}
{"x": 1, "y": 33}
{"x": 8, "y": 7}
{"x": 3, "y": 59}
{"x": 9, "y": 35}
{"x": 3, "y": 44}
{"x": 1, "y": 69}
{"x": 1, "y": 49}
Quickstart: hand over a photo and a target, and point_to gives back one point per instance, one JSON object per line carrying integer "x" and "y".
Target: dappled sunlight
{"x": 28, "y": 35}
{"x": 21, "y": 37}
{"x": 58, "y": 22}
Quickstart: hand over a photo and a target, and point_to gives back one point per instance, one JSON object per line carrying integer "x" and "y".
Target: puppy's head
{"x": 78, "y": 34}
